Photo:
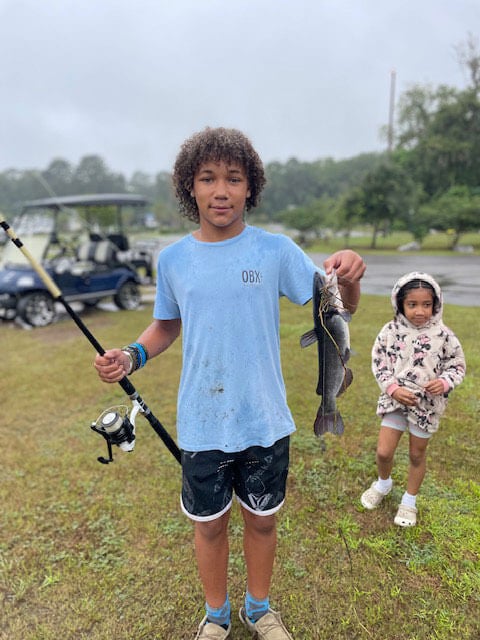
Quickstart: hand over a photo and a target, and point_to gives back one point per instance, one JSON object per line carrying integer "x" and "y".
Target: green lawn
{"x": 433, "y": 244}
{"x": 104, "y": 553}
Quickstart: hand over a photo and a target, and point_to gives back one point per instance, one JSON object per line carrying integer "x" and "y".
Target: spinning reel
{"x": 117, "y": 427}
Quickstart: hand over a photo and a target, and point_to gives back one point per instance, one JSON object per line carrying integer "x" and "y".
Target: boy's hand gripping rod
{"x": 125, "y": 383}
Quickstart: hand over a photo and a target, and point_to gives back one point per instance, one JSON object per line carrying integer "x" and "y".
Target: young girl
{"x": 417, "y": 361}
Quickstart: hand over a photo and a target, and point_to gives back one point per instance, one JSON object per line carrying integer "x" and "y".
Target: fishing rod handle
{"x": 46, "y": 279}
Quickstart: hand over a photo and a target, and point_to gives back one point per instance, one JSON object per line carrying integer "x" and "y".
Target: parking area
{"x": 458, "y": 275}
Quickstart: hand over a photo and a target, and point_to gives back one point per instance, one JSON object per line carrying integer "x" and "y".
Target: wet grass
{"x": 434, "y": 244}
{"x": 103, "y": 552}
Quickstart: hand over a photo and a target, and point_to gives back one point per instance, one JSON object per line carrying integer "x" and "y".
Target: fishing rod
{"x": 114, "y": 424}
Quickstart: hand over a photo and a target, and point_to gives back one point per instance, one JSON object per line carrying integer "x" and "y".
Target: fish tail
{"x": 328, "y": 423}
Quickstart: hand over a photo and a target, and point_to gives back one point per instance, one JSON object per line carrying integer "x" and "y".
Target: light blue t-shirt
{"x": 232, "y": 394}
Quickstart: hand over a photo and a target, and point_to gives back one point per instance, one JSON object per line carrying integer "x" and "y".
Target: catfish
{"x": 332, "y": 336}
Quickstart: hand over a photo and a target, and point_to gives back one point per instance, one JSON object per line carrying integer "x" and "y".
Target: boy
{"x": 221, "y": 285}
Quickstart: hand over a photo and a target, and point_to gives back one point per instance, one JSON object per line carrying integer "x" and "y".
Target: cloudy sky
{"x": 130, "y": 80}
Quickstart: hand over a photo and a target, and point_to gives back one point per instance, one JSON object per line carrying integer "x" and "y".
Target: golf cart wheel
{"x": 37, "y": 308}
{"x": 128, "y": 296}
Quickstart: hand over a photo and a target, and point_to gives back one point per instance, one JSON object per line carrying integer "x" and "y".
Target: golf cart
{"x": 80, "y": 241}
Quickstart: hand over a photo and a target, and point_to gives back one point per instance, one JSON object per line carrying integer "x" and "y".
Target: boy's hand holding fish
{"x": 349, "y": 268}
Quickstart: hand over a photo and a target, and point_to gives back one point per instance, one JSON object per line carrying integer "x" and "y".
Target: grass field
{"x": 434, "y": 244}
{"x": 104, "y": 553}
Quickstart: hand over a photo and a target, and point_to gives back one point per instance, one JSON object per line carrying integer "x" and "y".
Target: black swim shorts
{"x": 257, "y": 476}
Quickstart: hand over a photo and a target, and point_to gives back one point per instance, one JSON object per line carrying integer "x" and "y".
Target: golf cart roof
{"x": 117, "y": 199}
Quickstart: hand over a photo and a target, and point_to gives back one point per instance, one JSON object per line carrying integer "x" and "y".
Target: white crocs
{"x": 406, "y": 516}
{"x": 372, "y": 497}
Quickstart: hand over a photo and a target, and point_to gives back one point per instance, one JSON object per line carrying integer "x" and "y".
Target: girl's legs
{"x": 407, "y": 511}
{"x": 418, "y": 463}
{"x": 388, "y": 440}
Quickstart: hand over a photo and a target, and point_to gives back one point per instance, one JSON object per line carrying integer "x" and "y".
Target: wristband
{"x": 142, "y": 351}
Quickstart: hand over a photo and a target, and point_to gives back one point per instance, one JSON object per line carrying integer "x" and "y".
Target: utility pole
{"x": 393, "y": 76}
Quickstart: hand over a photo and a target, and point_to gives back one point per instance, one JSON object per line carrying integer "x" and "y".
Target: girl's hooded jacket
{"x": 410, "y": 356}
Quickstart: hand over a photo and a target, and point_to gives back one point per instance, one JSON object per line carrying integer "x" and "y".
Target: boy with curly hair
{"x": 221, "y": 285}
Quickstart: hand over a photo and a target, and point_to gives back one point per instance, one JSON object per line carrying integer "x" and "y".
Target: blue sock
{"x": 220, "y": 616}
{"x": 254, "y": 608}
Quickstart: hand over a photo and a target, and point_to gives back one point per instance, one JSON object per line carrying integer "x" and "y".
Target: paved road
{"x": 458, "y": 275}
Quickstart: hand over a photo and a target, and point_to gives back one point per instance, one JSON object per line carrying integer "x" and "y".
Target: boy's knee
{"x": 211, "y": 530}
{"x": 261, "y": 525}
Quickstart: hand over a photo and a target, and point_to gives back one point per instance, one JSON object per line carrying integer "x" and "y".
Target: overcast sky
{"x": 130, "y": 80}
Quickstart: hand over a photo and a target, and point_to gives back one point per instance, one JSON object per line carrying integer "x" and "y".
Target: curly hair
{"x": 219, "y": 144}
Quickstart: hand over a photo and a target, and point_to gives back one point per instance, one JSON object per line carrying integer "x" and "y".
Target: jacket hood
{"x": 418, "y": 275}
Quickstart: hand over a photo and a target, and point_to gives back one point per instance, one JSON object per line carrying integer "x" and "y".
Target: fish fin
{"x": 347, "y": 381}
{"x": 308, "y": 338}
{"x": 328, "y": 423}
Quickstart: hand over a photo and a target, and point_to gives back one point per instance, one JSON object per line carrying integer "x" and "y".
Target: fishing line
{"x": 353, "y": 585}
{"x": 321, "y": 310}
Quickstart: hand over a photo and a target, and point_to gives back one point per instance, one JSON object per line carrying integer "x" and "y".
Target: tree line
{"x": 91, "y": 176}
{"x": 289, "y": 184}
{"x": 428, "y": 179}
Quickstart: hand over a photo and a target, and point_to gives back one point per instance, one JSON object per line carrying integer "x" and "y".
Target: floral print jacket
{"x": 410, "y": 356}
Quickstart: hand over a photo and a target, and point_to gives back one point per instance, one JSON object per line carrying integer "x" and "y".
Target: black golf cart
{"x": 81, "y": 242}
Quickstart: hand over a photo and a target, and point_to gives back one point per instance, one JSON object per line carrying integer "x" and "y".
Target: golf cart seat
{"x": 101, "y": 252}
{"x": 120, "y": 241}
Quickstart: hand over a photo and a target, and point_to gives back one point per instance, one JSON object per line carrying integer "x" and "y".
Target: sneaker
{"x": 372, "y": 497}
{"x": 268, "y": 627}
{"x": 406, "y": 516}
{"x": 211, "y": 631}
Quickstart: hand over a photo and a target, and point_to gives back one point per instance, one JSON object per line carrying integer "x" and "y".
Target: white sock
{"x": 384, "y": 486}
{"x": 409, "y": 500}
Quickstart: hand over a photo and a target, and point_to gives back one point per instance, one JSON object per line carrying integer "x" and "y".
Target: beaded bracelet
{"x": 143, "y": 352}
{"x": 137, "y": 354}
